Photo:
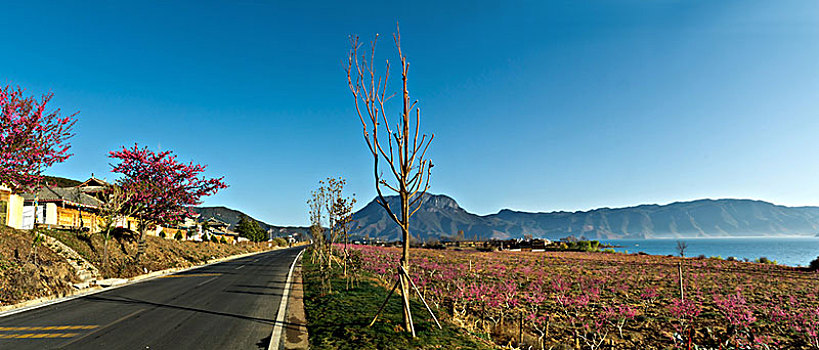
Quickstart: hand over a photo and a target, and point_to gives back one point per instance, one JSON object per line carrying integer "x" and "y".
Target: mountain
{"x": 56, "y": 181}
{"x": 440, "y": 216}
{"x": 232, "y": 216}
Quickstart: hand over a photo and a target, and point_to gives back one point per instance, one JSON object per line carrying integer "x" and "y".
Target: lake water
{"x": 792, "y": 251}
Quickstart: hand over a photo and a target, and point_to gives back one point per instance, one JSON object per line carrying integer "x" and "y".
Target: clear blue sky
{"x": 536, "y": 106}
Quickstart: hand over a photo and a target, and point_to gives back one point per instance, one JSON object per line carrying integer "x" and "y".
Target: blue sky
{"x": 535, "y": 106}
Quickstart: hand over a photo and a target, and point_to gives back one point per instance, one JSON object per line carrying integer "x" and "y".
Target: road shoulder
{"x": 296, "y": 331}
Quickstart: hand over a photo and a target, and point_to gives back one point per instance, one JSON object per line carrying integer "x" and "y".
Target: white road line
{"x": 236, "y": 268}
{"x": 203, "y": 282}
{"x": 278, "y": 326}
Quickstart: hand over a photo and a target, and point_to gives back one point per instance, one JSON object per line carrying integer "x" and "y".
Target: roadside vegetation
{"x": 159, "y": 254}
{"x": 25, "y": 275}
{"x": 339, "y": 320}
{"x": 29, "y": 269}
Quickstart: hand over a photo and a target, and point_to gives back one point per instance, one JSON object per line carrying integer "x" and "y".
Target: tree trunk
{"x": 105, "y": 246}
{"x": 405, "y": 292}
{"x": 142, "y": 243}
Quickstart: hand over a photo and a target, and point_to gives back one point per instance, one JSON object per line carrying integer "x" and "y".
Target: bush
{"x": 178, "y": 236}
{"x": 814, "y": 265}
{"x": 162, "y": 234}
{"x": 223, "y": 240}
{"x": 764, "y": 260}
{"x": 280, "y": 241}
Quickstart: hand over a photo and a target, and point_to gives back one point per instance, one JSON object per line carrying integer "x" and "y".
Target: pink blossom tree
{"x": 162, "y": 189}
{"x": 32, "y": 138}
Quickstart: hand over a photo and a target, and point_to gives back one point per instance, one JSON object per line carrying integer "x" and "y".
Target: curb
{"x": 278, "y": 326}
{"x": 51, "y": 300}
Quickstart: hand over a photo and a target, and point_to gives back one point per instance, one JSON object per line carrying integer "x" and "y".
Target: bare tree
{"x": 400, "y": 148}
{"x": 329, "y": 201}
{"x": 682, "y": 247}
{"x": 116, "y": 205}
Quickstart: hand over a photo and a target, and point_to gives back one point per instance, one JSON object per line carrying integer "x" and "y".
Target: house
{"x": 216, "y": 225}
{"x": 94, "y": 187}
{"x": 11, "y": 208}
{"x": 63, "y": 207}
{"x": 219, "y": 229}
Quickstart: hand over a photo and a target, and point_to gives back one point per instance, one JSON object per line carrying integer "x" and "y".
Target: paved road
{"x": 230, "y": 305}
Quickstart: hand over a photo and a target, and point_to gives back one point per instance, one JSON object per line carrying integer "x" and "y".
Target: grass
{"x": 339, "y": 320}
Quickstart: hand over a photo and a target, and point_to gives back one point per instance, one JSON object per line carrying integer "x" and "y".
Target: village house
{"x": 220, "y": 229}
{"x": 61, "y": 207}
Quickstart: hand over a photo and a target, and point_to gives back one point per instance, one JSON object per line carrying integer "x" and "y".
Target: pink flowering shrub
{"x": 591, "y": 300}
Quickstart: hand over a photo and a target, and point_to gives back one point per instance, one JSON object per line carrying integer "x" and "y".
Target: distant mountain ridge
{"x": 440, "y": 216}
{"x": 232, "y": 216}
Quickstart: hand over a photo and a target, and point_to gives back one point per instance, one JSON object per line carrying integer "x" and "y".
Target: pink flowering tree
{"x": 162, "y": 189}
{"x": 32, "y": 138}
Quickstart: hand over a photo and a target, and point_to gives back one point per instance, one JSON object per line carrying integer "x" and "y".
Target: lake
{"x": 792, "y": 251}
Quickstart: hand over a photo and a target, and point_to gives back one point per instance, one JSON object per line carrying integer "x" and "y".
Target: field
{"x": 554, "y": 300}
{"x": 339, "y": 320}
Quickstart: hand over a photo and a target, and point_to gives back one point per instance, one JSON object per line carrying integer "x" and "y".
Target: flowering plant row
{"x": 610, "y": 300}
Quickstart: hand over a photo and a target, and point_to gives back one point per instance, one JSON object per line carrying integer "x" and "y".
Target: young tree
{"x": 115, "y": 206}
{"x": 162, "y": 188}
{"x": 681, "y": 248}
{"x": 329, "y": 198}
{"x": 403, "y": 149}
{"x": 31, "y": 138}
{"x": 316, "y": 205}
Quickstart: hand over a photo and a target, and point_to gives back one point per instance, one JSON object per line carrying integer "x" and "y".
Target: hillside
{"x": 440, "y": 216}
{"x": 60, "y": 181}
{"x": 232, "y": 216}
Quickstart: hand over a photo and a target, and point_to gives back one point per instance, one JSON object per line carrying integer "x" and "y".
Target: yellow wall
{"x": 15, "y": 211}
{"x": 13, "y": 205}
{"x": 70, "y": 217}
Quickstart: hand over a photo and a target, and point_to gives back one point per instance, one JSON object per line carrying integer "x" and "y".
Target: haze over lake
{"x": 791, "y": 251}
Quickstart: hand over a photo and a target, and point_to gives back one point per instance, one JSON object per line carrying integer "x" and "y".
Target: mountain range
{"x": 440, "y": 217}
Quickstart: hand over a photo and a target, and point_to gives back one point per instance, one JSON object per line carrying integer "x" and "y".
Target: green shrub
{"x": 162, "y": 234}
{"x": 280, "y": 241}
{"x": 814, "y": 265}
{"x": 223, "y": 240}
{"x": 178, "y": 236}
{"x": 764, "y": 260}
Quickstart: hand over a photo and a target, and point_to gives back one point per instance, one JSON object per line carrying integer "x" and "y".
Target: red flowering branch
{"x": 31, "y": 138}
{"x": 162, "y": 188}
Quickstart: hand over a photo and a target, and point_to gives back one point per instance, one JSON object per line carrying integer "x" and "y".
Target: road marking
{"x": 123, "y": 318}
{"x": 201, "y": 283}
{"x": 46, "y": 328}
{"x": 191, "y": 275}
{"x": 37, "y": 335}
{"x": 239, "y": 267}
{"x": 22, "y": 309}
{"x": 278, "y": 329}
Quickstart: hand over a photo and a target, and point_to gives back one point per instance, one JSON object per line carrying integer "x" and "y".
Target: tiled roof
{"x": 69, "y": 195}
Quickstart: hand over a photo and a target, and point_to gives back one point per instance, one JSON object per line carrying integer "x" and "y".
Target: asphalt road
{"x": 230, "y": 305}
